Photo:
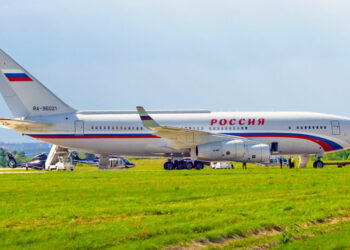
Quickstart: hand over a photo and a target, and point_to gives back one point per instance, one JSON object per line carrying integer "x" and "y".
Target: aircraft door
{"x": 335, "y": 127}
{"x": 79, "y": 127}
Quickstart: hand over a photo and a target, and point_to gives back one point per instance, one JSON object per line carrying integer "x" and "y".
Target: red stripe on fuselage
{"x": 326, "y": 147}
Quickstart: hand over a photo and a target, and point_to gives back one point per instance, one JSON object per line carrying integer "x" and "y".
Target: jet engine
{"x": 235, "y": 150}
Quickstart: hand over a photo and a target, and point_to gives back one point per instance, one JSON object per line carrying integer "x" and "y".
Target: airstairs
{"x": 58, "y": 159}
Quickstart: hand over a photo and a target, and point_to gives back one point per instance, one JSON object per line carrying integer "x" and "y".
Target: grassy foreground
{"x": 147, "y": 207}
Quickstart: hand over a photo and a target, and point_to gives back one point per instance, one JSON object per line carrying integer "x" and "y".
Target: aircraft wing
{"x": 23, "y": 126}
{"x": 181, "y": 137}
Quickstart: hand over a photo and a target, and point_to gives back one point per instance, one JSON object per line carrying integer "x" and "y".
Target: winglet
{"x": 147, "y": 121}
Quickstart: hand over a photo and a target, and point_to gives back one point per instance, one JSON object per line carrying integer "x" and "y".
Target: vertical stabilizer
{"x": 24, "y": 95}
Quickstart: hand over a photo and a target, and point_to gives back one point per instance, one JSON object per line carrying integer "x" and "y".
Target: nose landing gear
{"x": 318, "y": 163}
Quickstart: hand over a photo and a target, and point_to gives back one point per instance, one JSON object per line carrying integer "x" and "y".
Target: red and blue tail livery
{"x": 146, "y": 118}
{"x": 18, "y": 77}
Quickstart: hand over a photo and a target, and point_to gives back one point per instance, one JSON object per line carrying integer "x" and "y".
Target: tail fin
{"x": 24, "y": 95}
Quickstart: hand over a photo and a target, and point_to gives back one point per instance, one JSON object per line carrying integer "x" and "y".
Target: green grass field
{"x": 147, "y": 207}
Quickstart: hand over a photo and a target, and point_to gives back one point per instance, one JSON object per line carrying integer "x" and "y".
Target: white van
{"x": 221, "y": 165}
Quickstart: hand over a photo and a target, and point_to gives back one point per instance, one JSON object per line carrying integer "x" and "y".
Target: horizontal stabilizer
{"x": 23, "y": 126}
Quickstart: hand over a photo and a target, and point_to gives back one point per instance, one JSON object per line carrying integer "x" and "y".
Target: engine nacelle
{"x": 235, "y": 150}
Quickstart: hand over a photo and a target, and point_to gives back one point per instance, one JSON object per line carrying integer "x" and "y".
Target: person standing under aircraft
{"x": 281, "y": 162}
{"x": 244, "y": 165}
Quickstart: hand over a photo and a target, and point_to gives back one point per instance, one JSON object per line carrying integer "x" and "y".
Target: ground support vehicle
{"x": 221, "y": 165}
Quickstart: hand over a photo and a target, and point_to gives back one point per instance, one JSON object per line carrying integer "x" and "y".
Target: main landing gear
{"x": 318, "y": 163}
{"x": 183, "y": 164}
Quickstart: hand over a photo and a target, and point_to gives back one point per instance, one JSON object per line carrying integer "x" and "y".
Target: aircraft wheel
{"x": 182, "y": 165}
{"x": 318, "y": 164}
{"x": 168, "y": 165}
{"x": 165, "y": 166}
{"x": 72, "y": 169}
{"x": 189, "y": 165}
{"x": 199, "y": 165}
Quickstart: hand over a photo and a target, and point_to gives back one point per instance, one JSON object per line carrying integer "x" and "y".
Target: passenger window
{"x": 96, "y": 127}
{"x": 313, "y": 127}
{"x": 324, "y": 127}
{"x": 92, "y": 127}
{"x": 137, "y": 128}
{"x": 290, "y": 127}
{"x": 100, "y": 127}
{"x": 297, "y": 127}
{"x": 141, "y": 128}
{"x": 109, "y": 127}
{"x": 316, "y": 127}
{"x": 309, "y": 127}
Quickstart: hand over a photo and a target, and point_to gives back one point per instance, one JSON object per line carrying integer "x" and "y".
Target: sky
{"x": 249, "y": 55}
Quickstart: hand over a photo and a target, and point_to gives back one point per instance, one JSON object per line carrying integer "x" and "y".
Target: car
{"x": 221, "y": 165}
{"x": 120, "y": 162}
{"x": 275, "y": 161}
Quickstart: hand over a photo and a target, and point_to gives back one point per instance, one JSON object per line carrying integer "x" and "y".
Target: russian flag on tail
{"x": 17, "y": 77}
{"x": 145, "y": 118}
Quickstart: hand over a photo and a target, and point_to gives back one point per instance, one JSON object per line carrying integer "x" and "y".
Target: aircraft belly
{"x": 149, "y": 146}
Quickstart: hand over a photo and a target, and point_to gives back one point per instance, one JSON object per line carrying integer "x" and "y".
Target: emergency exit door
{"x": 335, "y": 127}
{"x": 79, "y": 127}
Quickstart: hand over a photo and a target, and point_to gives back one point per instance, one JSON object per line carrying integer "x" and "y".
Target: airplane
{"x": 188, "y": 138}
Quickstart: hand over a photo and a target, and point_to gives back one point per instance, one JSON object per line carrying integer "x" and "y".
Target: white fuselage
{"x": 122, "y": 133}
